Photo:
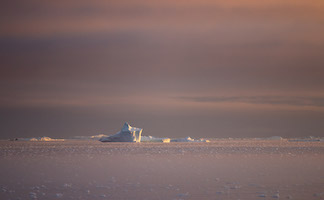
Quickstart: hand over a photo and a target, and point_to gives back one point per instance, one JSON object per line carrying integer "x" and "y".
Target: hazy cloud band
{"x": 273, "y": 100}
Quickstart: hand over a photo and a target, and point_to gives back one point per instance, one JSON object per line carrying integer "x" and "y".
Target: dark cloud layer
{"x": 200, "y": 68}
{"x": 272, "y": 100}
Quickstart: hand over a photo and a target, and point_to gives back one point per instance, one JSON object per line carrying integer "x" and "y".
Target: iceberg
{"x": 93, "y": 137}
{"x": 96, "y": 137}
{"x": 274, "y": 138}
{"x": 44, "y": 139}
{"x": 126, "y": 134}
{"x": 203, "y": 140}
{"x": 154, "y": 139}
{"x": 307, "y": 139}
{"x": 189, "y": 139}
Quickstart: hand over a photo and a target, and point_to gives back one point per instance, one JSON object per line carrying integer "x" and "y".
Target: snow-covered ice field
{"x": 221, "y": 169}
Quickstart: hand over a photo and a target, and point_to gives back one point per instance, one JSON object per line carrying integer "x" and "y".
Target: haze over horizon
{"x": 251, "y": 68}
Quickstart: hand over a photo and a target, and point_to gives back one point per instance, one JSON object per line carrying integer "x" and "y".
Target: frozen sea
{"x": 221, "y": 169}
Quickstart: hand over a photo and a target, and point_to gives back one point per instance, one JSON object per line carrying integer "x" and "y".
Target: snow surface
{"x": 222, "y": 169}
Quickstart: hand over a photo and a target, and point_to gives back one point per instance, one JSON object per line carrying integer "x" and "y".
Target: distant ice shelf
{"x": 154, "y": 139}
{"x": 44, "y": 138}
{"x": 134, "y": 134}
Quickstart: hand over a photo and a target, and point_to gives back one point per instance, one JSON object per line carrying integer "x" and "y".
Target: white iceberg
{"x": 46, "y": 139}
{"x": 96, "y": 137}
{"x": 93, "y": 137}
{"x": 126, "y": 134}
{"x": 189, "y": 139}
{"x": 154, "y": 139}
{"x": 274, "y": 138}
{"x": 203, "y": 140}
{"x": 306, "y": 139}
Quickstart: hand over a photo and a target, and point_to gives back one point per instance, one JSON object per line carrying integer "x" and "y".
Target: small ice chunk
{"x": 59, "y": 195}
{"x": 274, "y": 138}
{"x": 262, "y": 195}
{"x": 318, "y": 194}
{"x": 182, "y": 195}
{"x": 4, "y": 189}
{"x": 67, "y": 185}
{"x": 33, "y": 195}
{"x": 276, "y": 196}
{"x": 235, "y": 187}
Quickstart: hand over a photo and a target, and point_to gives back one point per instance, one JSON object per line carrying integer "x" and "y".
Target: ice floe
{"x": 154, "y": 139}
{"x": 189, "y": 139}
{"x": 93, "y": 137}
{"x": 44, "y": 138}
{"x": 307, "y": 139}
{"x": 126, "y": 134}
{"x": 274, "y": 138}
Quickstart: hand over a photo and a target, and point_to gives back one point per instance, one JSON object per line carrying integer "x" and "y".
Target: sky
{"x": 199, "y": 68}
